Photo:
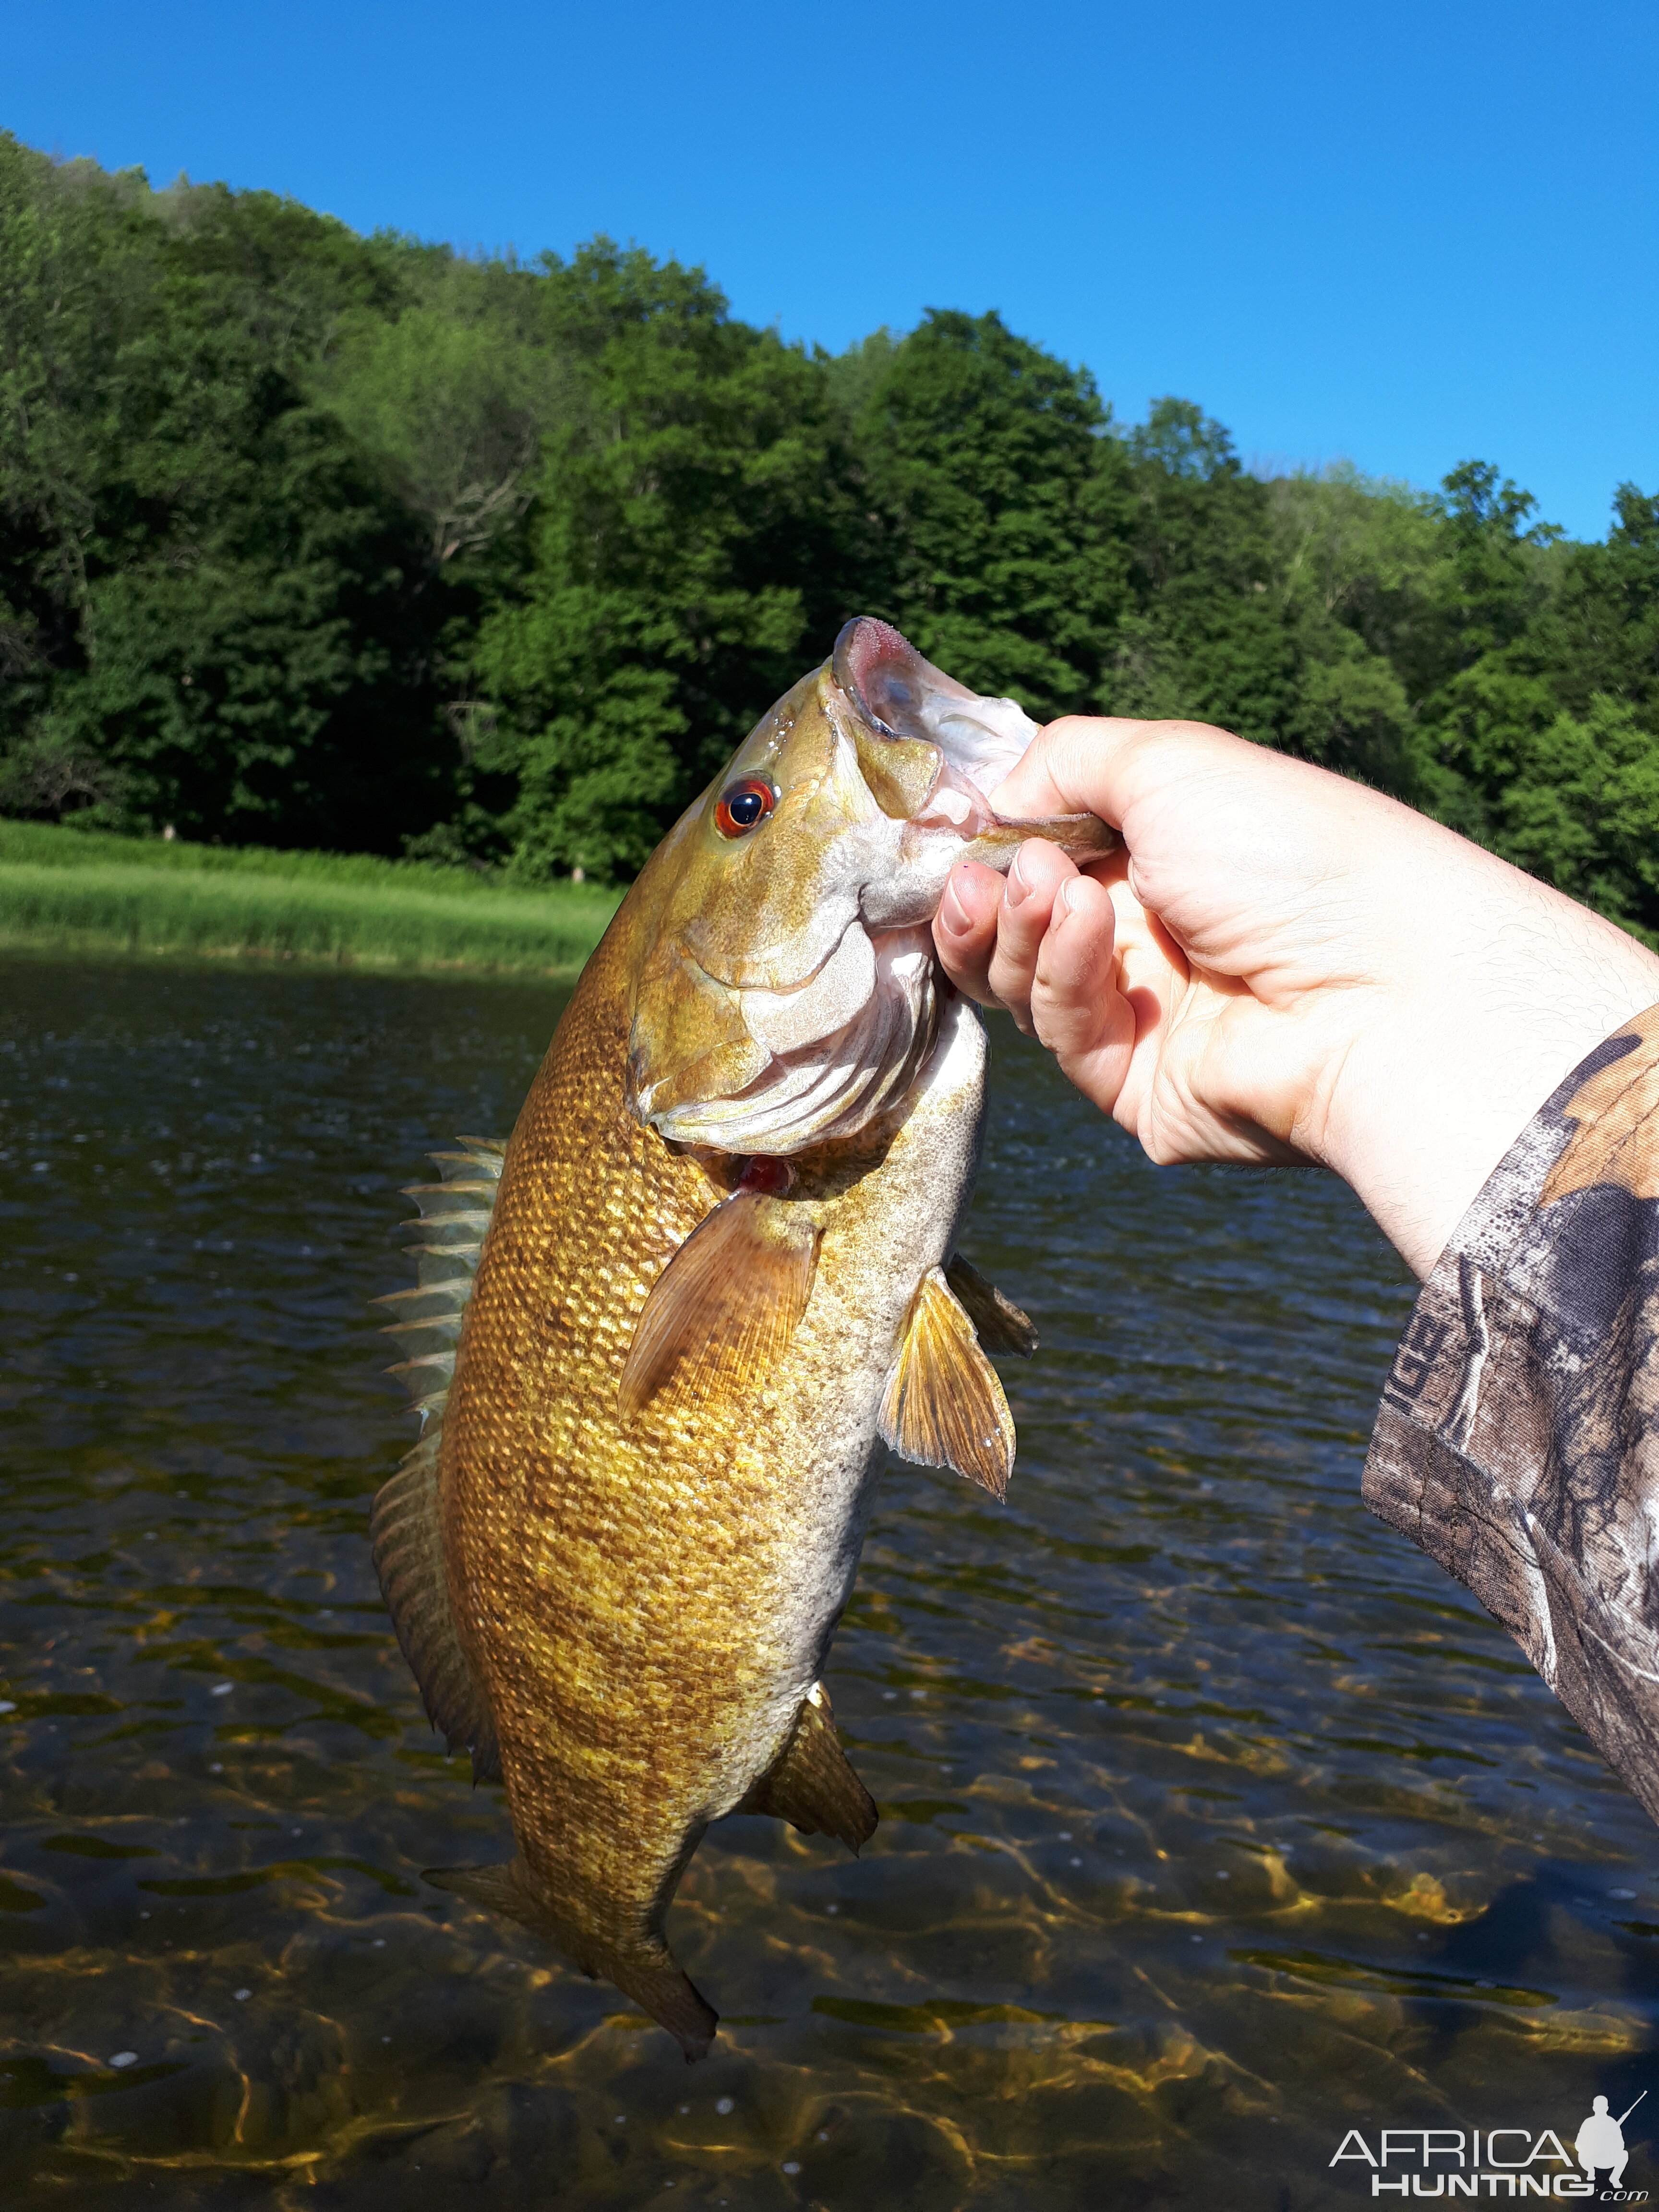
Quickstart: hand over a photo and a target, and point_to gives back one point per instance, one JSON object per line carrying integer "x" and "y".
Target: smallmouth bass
{"x": 715, "y": 1270}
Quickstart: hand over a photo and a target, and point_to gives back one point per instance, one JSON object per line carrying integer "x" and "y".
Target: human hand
{"x": 1283, "y": 966}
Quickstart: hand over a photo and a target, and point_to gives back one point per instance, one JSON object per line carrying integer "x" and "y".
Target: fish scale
{"x": 615, "y": 1576}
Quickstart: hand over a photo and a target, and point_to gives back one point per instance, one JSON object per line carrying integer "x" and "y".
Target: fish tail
{"x": 660, "y": 1986}
{"x": 646, "y": 1971}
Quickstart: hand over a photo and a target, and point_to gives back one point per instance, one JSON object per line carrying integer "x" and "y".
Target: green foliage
{"x": 996, "y": 539}
{"x": 454, "y": 394}
{"x": 1210, "y": 638}
{"x": 332, "y": 542}
{"x": 1581, "y": 811}
{"x": 681, "y": 556}
{"x": 207, "y": 591}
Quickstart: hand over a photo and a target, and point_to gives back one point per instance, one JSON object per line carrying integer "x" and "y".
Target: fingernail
{"x": 1019, "y": 887}
{"x": 953, "y": 914}
{"x": 1071, "y": 893}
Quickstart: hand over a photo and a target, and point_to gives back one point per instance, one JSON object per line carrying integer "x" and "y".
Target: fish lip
{"x": 899, "y": 696}
{"x": 852, "y": 662}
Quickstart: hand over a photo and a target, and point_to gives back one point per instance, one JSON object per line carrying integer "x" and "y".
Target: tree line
{"x": 309, "y": 539}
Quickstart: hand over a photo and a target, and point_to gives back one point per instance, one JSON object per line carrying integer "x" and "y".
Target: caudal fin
{"x": 661, "y": 1987}
{"x": 646, "y": 1971}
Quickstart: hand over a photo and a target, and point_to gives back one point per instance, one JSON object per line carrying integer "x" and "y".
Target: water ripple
{"x": 1213, "y": 1816}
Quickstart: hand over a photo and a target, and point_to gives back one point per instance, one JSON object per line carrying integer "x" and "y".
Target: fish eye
{"x": 744, "y": 806}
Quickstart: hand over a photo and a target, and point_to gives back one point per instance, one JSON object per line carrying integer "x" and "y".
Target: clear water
{"x": 1215, "y": 1820}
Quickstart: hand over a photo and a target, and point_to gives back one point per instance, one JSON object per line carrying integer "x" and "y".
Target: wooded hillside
{"x": 316, "y": 540}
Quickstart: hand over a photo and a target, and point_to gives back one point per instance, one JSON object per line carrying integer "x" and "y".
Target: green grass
{"x": 73, "y": 891}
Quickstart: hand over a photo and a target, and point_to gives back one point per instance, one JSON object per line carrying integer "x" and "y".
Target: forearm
{"x": 1508, "y": 988}
{"x": 1518, "y": 1439}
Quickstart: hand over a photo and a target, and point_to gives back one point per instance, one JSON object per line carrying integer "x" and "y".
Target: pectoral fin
{"x": 944, "y": 1406}
{"x": 721, "y": 1313}
{"x": 998, "y": 1322}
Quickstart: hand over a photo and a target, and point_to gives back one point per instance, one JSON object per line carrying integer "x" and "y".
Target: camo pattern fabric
{"x": 1518, "y": 1439}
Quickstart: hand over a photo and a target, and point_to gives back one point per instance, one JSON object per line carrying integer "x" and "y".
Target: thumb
{"x": 1081, "y": 764}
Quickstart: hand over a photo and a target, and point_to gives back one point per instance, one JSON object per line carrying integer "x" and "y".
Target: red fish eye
{"x": 743, "y": 806}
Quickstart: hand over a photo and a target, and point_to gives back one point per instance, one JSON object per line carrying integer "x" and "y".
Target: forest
{"x": 314, "y": 540}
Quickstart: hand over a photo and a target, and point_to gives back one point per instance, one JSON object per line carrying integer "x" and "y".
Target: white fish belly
{"x": 823, "y": 1442}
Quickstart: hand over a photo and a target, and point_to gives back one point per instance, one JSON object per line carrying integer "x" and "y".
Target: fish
{"x": 661, "y": 1336}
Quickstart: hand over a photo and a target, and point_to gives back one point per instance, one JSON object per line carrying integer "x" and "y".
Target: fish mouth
{"x": 908, "y": 703}
{"x": 917, "y": 719}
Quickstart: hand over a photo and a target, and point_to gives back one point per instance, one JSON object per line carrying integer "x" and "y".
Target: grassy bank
{"x": 74, "y": 891}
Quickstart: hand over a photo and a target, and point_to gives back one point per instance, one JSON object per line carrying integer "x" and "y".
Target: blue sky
{"x": 1398, "y": 233}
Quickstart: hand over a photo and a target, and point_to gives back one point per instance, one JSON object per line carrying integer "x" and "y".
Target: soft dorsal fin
{"x": 407, "y": 1539}
{"x": 721, "y": 1313}
{"x": 811, "y": 1784}
{"x": 944, "y": 1405}
{"x": 998, "y": 1322}
{"x": 405, "y": 1529}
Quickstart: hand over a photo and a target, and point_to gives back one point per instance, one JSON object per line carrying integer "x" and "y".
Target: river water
{"x": 1216, "y": 1822}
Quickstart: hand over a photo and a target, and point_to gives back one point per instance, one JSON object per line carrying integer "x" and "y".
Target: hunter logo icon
{"x": 1600, "y": 2142}
{"x": 1503, "y": 2162}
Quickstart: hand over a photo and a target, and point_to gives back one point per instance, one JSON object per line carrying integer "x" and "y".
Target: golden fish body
{"x": 712, "y": 1282}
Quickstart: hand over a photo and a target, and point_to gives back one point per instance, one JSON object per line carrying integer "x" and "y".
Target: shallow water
{"x": 1216, "y": 1821}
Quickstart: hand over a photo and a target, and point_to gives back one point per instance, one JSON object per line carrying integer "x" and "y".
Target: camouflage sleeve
{"x": 1518, "y": 1439}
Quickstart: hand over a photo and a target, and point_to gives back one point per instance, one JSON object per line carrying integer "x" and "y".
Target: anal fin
{"x": 944, "y": 1404}
{"x": 998, "y": 1322}
{"x": 645, "y": 1970}
{"x": 811, "y": 1784}
{"x": 721, "y": 1313}
{"x": 408, "y": 1545}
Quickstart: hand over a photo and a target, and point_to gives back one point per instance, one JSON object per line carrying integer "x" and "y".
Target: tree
{"x": 213, "y": 596}
{"x": 1582, "y": 811}
{"x": 1210, "y": 636}
{"x": 1600, "y": 633}
{"x": 317, "y": 539}
{"x": 686, "y": 549}
{"x": 454, "y": 393}
{"x": 997, "y": 504}
{"x": 1490, "y": 589}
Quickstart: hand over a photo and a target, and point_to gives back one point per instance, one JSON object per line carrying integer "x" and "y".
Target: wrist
{"x": 1434, "y": 1089}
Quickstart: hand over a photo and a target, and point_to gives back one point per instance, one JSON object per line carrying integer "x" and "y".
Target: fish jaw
{"x": 826, "y": 1088}
{"x": 928, "y": 853}
{"x": 904, "y": 698}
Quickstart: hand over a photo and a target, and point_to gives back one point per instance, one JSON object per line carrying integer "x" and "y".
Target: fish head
{"x": 788, "y": 994}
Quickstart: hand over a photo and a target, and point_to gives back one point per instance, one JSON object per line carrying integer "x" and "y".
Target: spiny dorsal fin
{"x": 998, "y": 1322}
{"x": 721, "y": 1313}
{"x": 478, "y": 1156}
{"x": 811, "y": 1784}
{"x": 944, "y": 1405}
{"x": 404, "y": 1529}
{"x": 405, "y": 1532}
{"x": 642, "y": 1967}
